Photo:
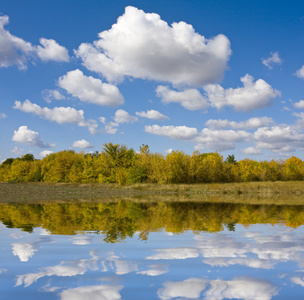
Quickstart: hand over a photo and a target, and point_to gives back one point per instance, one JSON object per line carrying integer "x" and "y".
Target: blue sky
{"x": 224, "y": 76}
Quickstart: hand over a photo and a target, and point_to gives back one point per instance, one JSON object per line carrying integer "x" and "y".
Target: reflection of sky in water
{"x": 262, "y": 262}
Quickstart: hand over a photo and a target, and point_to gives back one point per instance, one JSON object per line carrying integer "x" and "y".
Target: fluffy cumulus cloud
{"x": 151, "y": 114}
{"x": 121, "y": 116}
{"x": 251, "y": 123}
{"x": 90, "y": 89}
{"x": 51, "y": 50}
{"x": 191, "y": 99}
{"x": 254, "y": 95}
{"x": 16, "y": 51}
{"x": 173, "y": 132}
{"x": 300, "y": 72}
{"x": 281, "y": 138}
{"x": 274, "y": 59}
{"x": 82, "y": 144}
{"x": 28, "y": 137}
{"x": 142, "y": 45}
{"x": 59, "y": 115}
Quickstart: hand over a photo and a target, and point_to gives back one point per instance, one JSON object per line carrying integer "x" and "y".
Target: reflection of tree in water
{"x": 119, "y": 220}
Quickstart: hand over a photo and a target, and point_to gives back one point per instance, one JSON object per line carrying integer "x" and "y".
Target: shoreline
{"x": 279, "y": 192}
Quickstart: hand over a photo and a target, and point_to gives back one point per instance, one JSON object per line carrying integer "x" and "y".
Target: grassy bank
{"x": 252, "y": 192}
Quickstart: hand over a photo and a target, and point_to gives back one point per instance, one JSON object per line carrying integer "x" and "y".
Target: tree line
{"x": 119, "y": 164}
{"x": 123, "y": 219}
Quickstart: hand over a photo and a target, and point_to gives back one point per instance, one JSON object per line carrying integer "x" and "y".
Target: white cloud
{"x": 191, "y": 99}
{"x": 90, "y": 89}
{"x": 97, "y": 292}
{"x": 17, "y": 150}
{"x": 239, "y": 288}
{"x": 274, "y": 59}
{"x": 212, "y": 139}
{"x": 300, "y": 72}
{"x": 46, "y": 153}
{"x": 83, "y": 144}
{"x": 173, "y": 132}
{"x": 121, "y": 116}
{"x": 254, "y": 95}
{"x": 251, "y": 151}
{"x": 3, "y": 116}
{"x": 174, "y": 253}
{"x": 189, "y": 288}
{"x": 251, "y": 123}
{"x": 29, "y": 137}
{"x": 2, "y": 271}
{"x": 59, "y": 115}
{"x": 141, "y": 45}
{"x": 82, "y": 240}
{"x": 155, "y": 270}
{"x": 64, "y": 269}
{"x": 278, "y": 138}
{"x": 169, "y": 151}
{"x": 151, "y": 114}
{"x": 299, "y": 104}
{"x": 14, "y": 50}
{"x": 24, "y": 250}
{"x": 48, "y": 95}
{"x": 51, "y": 50}
{"x": 125, "y": 267}
{"x": 243, "y": 261}
{"x": 220, "y": 139}
{"x": 110, "y": 127}
{"x": 298, "y": 280}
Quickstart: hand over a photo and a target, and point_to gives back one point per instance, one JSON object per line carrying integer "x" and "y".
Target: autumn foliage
{"x": 118, "y": 164}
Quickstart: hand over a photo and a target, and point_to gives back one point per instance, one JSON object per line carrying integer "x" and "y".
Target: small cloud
{"x": 17, "y": 151}
{"x": 190, "y": 99}
{"x": 82, "y": 144}
{"x": 51, "y": 50}
{"x": 3, "y": 116}
{"x": 29, "y": 137}
{"x": 169, "y": 151}
{"x": 300, "y": 72}
{"x": 151, "y": 114}
{"x": 90, "y": 89}
{"x": 121, "y": 116}
{"x": 299, "y": 104}
{"x": 251, "y": 151}
{"x": 46, "y": 153}
{"x": 274, "y": 59}
{"x": 49, "y": 95}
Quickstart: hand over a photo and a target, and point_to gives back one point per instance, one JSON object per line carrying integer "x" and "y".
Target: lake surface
{"x": 129, "y": 250}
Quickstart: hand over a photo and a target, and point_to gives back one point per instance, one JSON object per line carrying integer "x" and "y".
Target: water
{"x": 162, "y": 251}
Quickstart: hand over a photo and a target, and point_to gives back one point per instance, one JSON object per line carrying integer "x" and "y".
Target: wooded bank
{"x": 118, "y": 164}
